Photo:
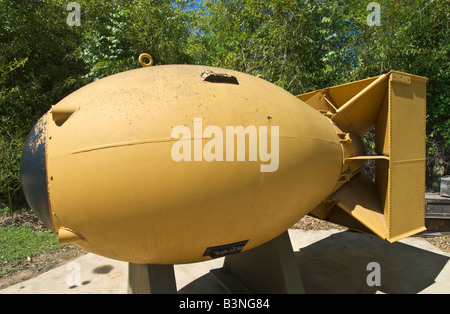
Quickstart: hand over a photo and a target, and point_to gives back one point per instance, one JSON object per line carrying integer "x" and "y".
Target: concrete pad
{"x": 338, "y": 262}
{"x": 89, "y": 273}
{"x": 330, "y": 261}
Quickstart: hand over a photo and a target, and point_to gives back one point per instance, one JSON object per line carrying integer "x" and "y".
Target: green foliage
{"x": 281, "y": 40}
{"x": 19, "y": 243}
{"x": 38, "y": 68}
{"x": 300, "y": 45}
{"x": 117, "y": 32}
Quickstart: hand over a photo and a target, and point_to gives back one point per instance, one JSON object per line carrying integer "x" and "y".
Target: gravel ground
{"x": 309, "y": 223}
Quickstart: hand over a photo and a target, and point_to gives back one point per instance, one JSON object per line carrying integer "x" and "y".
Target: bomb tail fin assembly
{"x": 393, "y": 107}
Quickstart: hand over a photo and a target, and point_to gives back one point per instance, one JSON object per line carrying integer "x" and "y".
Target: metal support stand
{"x": 147, "y": 278}
{"x": 269, "y": 268}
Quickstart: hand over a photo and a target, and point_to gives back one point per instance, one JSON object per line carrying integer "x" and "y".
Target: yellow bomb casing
{"x": 118, "y": 181}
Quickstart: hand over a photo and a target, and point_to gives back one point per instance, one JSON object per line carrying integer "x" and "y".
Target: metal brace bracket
{"x": 344, "y": 138}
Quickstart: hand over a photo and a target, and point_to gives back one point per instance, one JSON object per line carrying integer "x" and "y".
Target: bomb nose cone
{"x": 33, "y": 171}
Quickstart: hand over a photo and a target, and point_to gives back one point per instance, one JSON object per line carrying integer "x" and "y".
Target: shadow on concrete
{"x": 206, "y": 284}
{"x": 338, "y": 264}
{"x": 217, "y": 281}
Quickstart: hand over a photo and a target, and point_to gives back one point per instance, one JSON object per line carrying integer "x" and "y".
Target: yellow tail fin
{"x": 392, "y": 206}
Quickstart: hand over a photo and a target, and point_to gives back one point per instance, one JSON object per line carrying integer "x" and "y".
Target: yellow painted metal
{"x": 394, "y": 104}
{"x": 115, "y": 188}
{"x": 142, "y": 58}
{"x": 113, "y": 182}
{"x": 62, "y": 113}
{"x": 65, "y": 235}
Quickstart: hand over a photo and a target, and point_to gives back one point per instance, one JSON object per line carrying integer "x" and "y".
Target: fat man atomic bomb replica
{"x": 178, "y": 164}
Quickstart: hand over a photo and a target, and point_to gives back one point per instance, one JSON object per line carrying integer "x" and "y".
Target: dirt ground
{"x": 32, "y": 267}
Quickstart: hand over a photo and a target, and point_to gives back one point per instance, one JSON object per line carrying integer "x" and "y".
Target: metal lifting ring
{"x": 145, "y": 56}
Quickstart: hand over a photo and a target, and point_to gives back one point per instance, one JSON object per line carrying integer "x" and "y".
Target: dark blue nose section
{"x": 33, "y": 171}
